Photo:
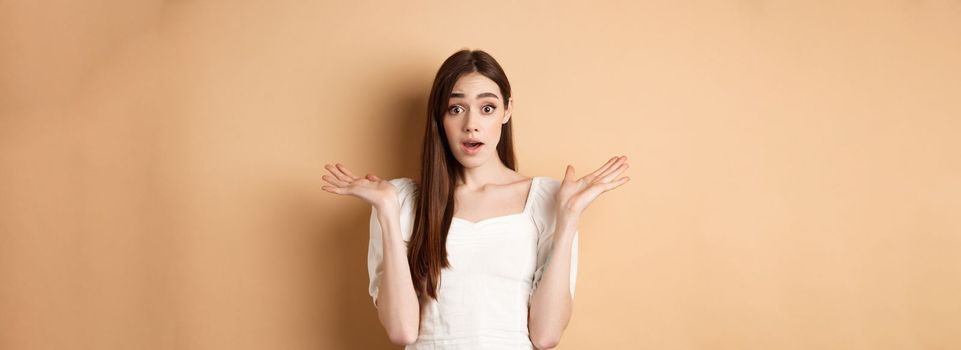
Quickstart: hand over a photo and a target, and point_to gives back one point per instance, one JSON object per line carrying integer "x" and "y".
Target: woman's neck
{"x": 490, "y": 173}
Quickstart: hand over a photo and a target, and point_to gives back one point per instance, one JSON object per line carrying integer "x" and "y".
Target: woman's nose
{"x": 470, "y": 123}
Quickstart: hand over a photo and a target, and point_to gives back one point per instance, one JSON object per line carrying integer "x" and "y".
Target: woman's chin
{"x": 472, "y": 161}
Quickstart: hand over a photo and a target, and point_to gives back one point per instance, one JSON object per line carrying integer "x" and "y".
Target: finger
{"x": 606, "y": 168}
{"x": 599, "y": 170}
{"x": 333, "y": 171}
{"x": 615, "y": 184}
{"x": 334, "y": 190}
{"x": 335, "y": 181}
{"x": 346, "y": 172}
{"x": 346, "y": 175}
{"x": 613, "y": 167}
{"x": 372, "y": 177}
{"x": 620, "y": 169}
{"x": 569, "y": 173}
{"x": 337, "y": 173}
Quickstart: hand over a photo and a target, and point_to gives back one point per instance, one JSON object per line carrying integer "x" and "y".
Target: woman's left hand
{"x": 575, "y": 195}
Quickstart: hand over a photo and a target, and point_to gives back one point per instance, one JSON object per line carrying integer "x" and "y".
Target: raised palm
{"x": 372, "y": 189}
{"x": 575, "y": 195}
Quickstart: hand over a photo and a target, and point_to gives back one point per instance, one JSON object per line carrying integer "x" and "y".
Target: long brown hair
{"x": 427, "y": 249}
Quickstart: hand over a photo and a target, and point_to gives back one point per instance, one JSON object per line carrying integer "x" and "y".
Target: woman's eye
{"x": 456, "y": 109}
{"x": 488, "y": 109}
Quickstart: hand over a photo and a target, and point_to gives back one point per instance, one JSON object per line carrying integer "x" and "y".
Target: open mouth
{"x": 472, "y": 147}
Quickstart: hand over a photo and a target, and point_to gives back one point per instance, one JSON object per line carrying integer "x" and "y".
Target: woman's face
{"x": 475, "y": 112}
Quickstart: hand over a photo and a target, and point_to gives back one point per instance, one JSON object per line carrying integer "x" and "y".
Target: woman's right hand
{"x": 372, "y": 189}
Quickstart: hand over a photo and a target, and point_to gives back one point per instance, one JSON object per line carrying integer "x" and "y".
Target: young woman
{"x": 475, "y": 255}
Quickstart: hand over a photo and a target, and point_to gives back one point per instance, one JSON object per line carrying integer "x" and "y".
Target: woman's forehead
{"x": 473, "y": 84}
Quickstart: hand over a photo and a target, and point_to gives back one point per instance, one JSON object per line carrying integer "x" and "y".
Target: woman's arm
{"x": 552, "y": 302}
{"x": 397, "y": 305}
{"x": 396, "y": 301}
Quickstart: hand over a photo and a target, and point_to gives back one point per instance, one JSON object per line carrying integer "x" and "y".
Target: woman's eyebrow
{"x": 483, "y": 94}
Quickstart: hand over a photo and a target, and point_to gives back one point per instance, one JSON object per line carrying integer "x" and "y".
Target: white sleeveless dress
{"x": 496, "y": 263}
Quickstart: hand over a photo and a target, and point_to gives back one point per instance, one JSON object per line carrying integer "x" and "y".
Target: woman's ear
{"x": 508, "y": 110}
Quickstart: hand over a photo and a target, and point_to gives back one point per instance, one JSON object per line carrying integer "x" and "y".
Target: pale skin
{"x": 477, "y": 110}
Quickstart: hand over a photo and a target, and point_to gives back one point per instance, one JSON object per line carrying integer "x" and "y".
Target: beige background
{"x": 795, "y": 166}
